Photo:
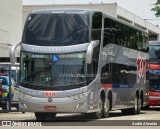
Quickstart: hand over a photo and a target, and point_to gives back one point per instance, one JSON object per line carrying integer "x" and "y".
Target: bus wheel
{"x": 136, "y": 107}
{"x": 106, "y": 108}
{"x": 139, "y": 103}
{"x": 44, "y": 115}
{"x": 98, "y": 115}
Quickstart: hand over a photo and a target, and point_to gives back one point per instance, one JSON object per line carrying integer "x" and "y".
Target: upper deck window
{"x": 56, "y": 29}
{"x": 154, "y": 53}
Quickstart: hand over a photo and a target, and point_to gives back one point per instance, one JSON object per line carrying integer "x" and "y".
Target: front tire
{"x": 106, "y": 108}
{"x": 98, "y": 115}
{"x": 44, "y": 115}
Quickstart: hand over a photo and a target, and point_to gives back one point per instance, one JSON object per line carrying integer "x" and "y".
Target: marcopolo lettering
{"x": 47, "y": 49}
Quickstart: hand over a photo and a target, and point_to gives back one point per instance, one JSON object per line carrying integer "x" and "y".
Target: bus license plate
{"x": 50, "y": 108}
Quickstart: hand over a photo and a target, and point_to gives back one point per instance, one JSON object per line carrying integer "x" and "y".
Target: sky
{"x": 141, "y": 8}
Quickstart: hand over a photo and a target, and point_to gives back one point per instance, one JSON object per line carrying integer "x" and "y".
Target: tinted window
{"x": 3, "y": 81}
{"x": 56, "y": 29}
{"x": 154, "y": 53}
{"x": 97, "y": 20}
{"x": 123, "y": 35}
{"x": 52, "y": 71}
{"x": 96, "y": 26}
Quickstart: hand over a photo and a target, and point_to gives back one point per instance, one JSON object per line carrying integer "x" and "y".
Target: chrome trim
{"x": 54, "y": 49}
{"x": 89, "y": 52}
{"x": 154, "y": 97}
{"x": 12, "y": 52}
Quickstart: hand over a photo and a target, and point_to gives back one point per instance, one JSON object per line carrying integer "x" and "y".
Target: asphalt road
{"x": 149, "y": 117}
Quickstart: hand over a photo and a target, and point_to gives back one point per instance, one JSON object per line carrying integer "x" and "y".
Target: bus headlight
{"x": 79, "y": 96}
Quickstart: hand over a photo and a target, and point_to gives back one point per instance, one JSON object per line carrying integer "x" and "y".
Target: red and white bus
{"x": 154, "y": 74}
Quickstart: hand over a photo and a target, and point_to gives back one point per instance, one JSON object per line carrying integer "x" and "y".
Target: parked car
{"x": 5, "y": 94}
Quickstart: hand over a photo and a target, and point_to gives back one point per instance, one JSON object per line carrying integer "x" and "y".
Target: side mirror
{"x": 12, "y": 52}
{"x": 89, "y": 52}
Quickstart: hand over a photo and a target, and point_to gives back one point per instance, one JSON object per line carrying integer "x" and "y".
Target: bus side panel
{"x": 119, "y": 71}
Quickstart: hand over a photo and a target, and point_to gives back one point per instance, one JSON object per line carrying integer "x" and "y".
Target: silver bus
{"x": 81, "y": 61}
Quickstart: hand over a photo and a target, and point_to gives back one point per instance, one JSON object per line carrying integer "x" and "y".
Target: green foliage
{"x": 156, "y": 8}
{"x": 158, "y": 2}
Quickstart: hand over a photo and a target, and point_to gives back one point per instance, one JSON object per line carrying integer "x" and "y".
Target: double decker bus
{"x": 154, "y": 74}
{"x": 81, "y": 61}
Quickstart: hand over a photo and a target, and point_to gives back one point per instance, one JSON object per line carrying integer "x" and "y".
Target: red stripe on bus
{"x": 107, "y": 85}
{"x": 154, "y": 66}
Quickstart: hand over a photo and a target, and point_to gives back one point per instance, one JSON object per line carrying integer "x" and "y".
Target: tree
{"x": 157, "y": 8}
{"x": 158, "y": 2}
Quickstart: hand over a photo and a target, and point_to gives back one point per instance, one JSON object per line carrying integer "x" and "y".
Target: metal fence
{"x": 9, "y": 91}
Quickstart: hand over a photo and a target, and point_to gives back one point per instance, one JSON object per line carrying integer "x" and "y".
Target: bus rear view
{"x": 154, "y": 73}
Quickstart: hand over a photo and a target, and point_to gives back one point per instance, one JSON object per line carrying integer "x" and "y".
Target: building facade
{"x": 13, "y": 16}
{"x": 10, "y": 26}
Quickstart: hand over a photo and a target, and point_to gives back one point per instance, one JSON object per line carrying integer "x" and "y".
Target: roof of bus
{"x": 67, "y": 10}
{"x": 75, "y": 10}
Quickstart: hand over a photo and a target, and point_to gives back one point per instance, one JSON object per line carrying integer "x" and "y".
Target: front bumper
{"x": 63, "y": 105}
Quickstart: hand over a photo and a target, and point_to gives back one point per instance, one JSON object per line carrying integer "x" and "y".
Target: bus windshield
{"x": 154, "y": 53}
{"x": 154, "y": 85}
{"x": 53, "y": 70}
{"x": 56, "y": 29}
